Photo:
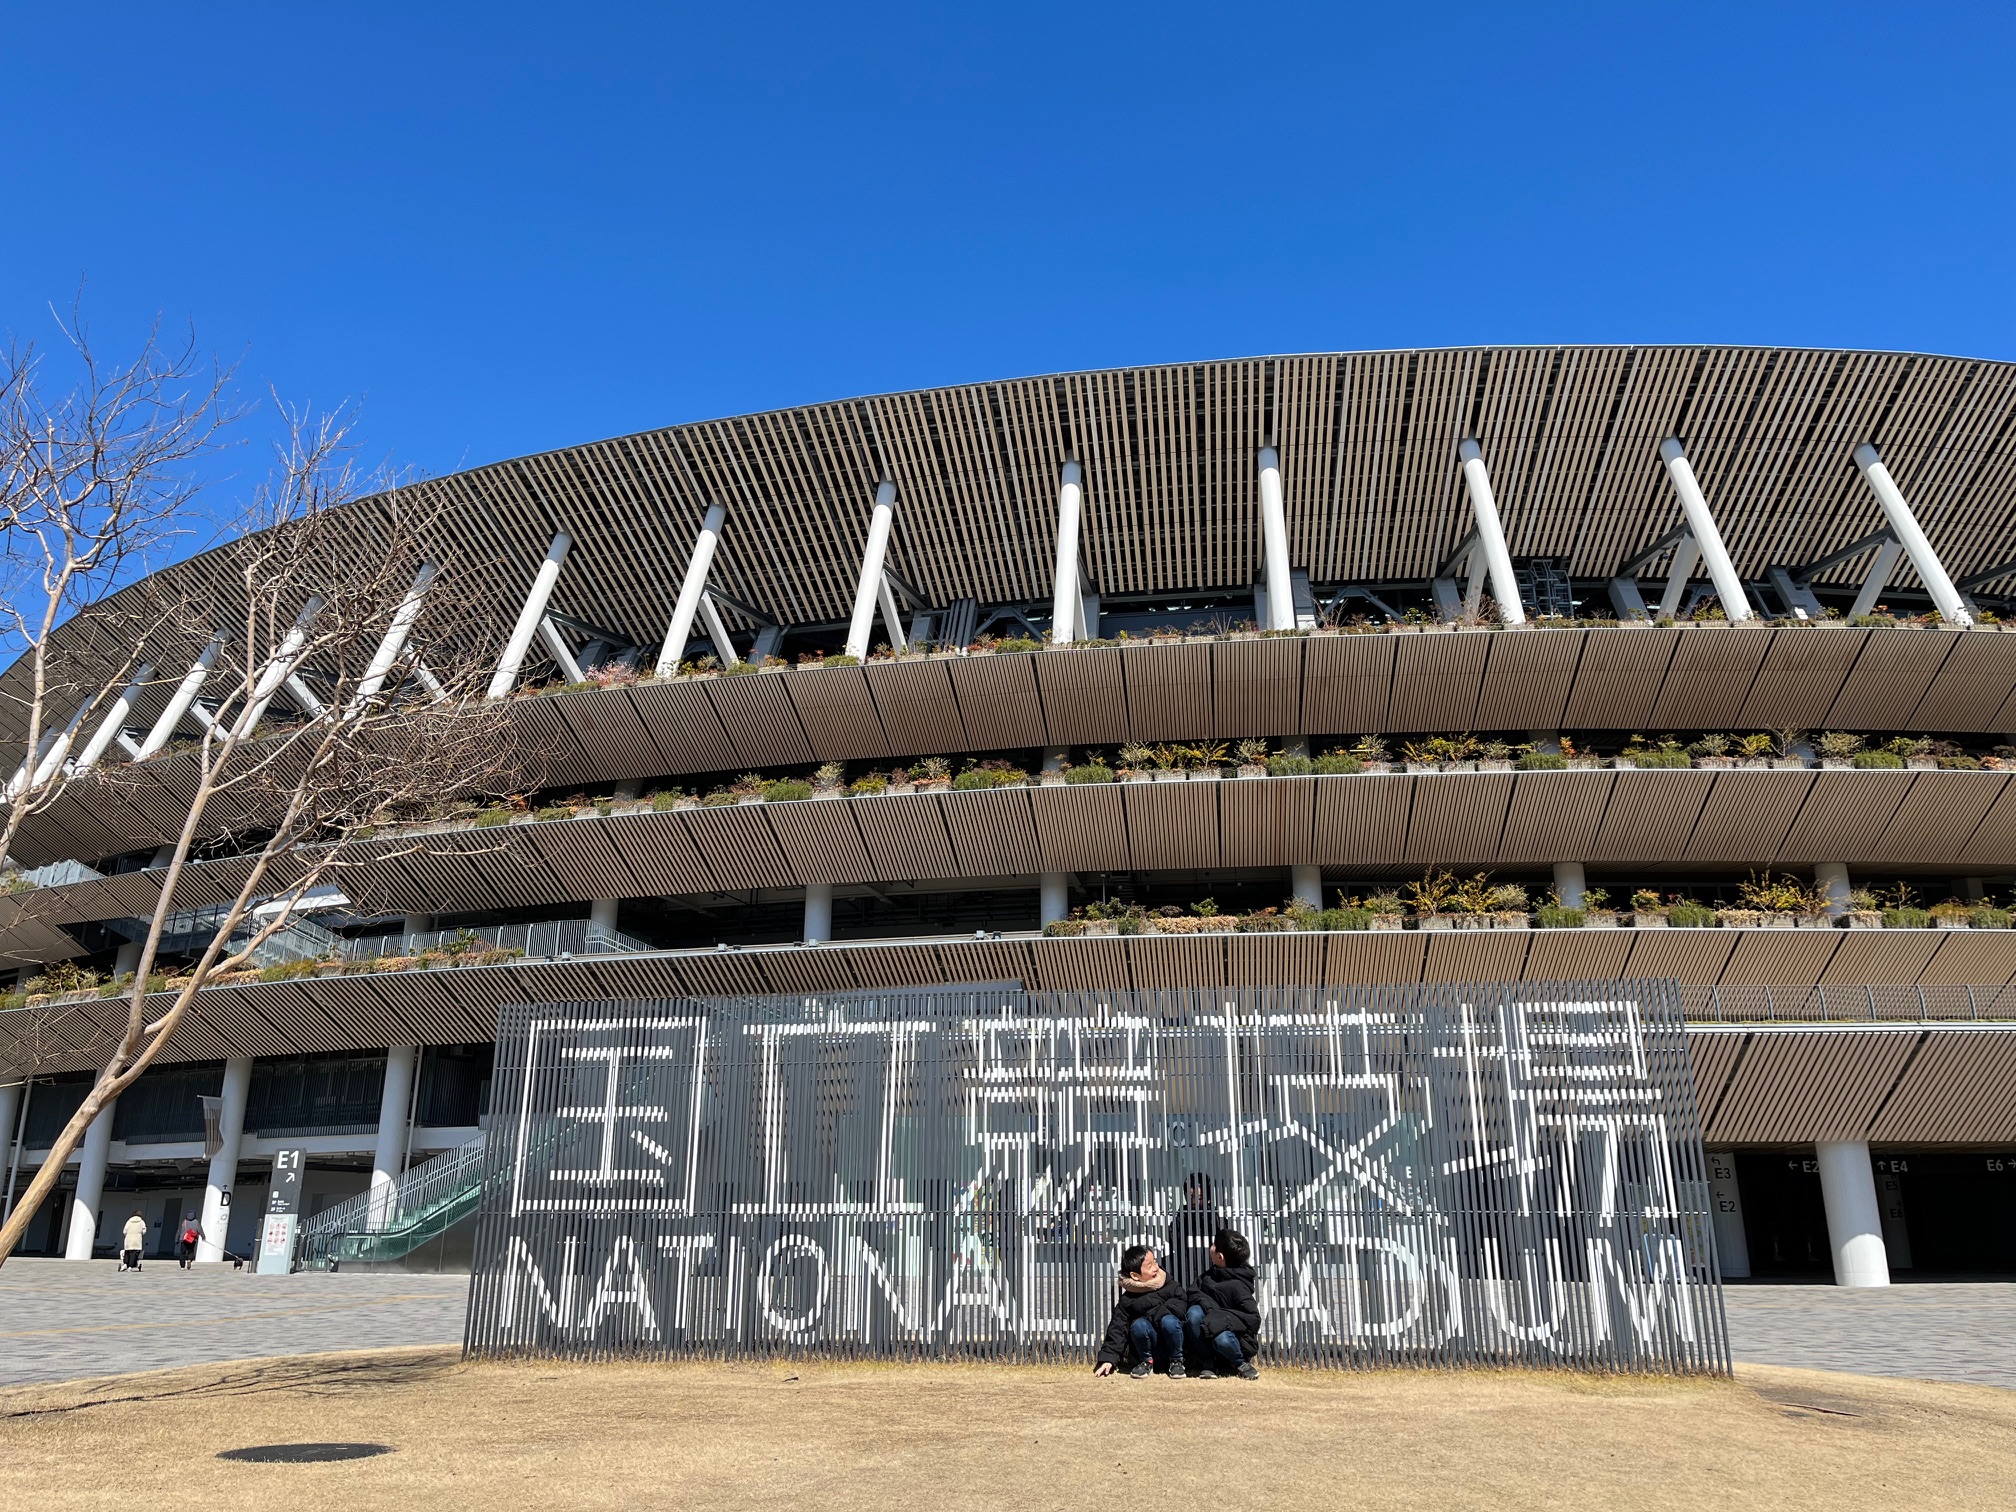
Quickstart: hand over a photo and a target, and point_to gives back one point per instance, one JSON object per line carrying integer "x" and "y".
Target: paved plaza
{"x": 61, "y": 1320}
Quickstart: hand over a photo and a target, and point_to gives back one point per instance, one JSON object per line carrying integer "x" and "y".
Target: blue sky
{"x": 507, "y": 228}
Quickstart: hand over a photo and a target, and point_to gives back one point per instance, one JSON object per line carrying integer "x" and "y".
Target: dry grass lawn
{"x": 510, "y": 1437}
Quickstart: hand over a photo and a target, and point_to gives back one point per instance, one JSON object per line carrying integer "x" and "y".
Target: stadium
{"x": 1683, "y": 665}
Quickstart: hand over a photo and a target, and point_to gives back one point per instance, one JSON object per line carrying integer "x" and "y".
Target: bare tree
{"x": 94, "y": 478}
{"x": 326, "y": 597}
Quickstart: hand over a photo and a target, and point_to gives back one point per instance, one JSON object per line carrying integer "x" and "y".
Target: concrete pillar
{"x": 91, "y": 1160}
{"x": 1491, "y": 534}
{"x": 530, "y": 616}
{"x": 1065, "y": 607}
{"x": 1854, "y": 1218}
{"x": 1725, "y": 1199}
{"x": 1305, "y": 884}
{"x": 127, "y": 961}
{"x": 395, "y": 1110}
{"x": 688, "y": 605}
{"x": 224, "y": 1164}
{"x": 1053, "y": 897}
{"x": 602, "y": 913}
{"x": 867, "y": 591}
{"x": 1274, "y": 544}
{"x": 1831, "y": 878}
{"x": 1707, "y": 535}
{"x": 1571, "y": 883}
{"x": 1904, "y": 525}
{"x": 419, "y": 924}
{"x": 818, "y": 912}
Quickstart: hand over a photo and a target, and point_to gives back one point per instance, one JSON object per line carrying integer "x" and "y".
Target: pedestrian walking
{"x": 133, "y": 1239}
{"x": 185, "y": 1250}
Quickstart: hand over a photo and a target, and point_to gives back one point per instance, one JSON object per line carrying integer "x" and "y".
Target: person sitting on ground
{"x": 132, "y": 1240}
{"x": 1147, "y": 1319}
{"x": 1223, "y": 1319}
{"x": 185, "y": 1251}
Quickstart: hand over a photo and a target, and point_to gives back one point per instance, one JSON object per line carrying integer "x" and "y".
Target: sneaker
{"x": 1142, "y": 1371}
{"x": 1248, "y": 1371}
{"x": 1207, "y": 1375}
{"x": 1176, "y": 1371}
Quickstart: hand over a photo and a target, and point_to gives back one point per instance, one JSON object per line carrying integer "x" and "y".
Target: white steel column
{"x": 1571, "y": 883}
{"x": 558, "y": 649}
{"x": 1831, "y": 877}
{"x": 387, "y": 654}
{"x": 49, "y": 758}
{"x": 1274, "y": 544}
{"x": 1878, "y": 581}
{"x": 1305, "y": 884}
{"x": 91, "y": 1161}
{"x": 1686, "y": 557}
{"x": 1065, "y": 610}
{"x": 818, "y": 912}
{"x": 513, "y": 659}
{"x": 1854, "y": 1221}
{"x": 867, "y": 589}
{"x": 180, "y": 700}
{"x": 1707, "y": 536}
{"x": 224, "y": 1164}
{"x": 717, "y": 630}
{"x": 892, "y": 619}
{"x": 1491, "y": 533}
{"x": 695, "y": 583}
{"x": 276, "y": 672}
{"x": 1904, "y": 525}
{"x": 388, "y": 1160}
{"x": 115, "y": 720}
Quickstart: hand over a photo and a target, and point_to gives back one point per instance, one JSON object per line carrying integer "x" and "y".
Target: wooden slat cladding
{"x": 1795, "y": 1088}
{"x": 1435, "y": 681}
{"x": 1960, "y": 1089}
{"x": 918, "y": 708}
{"x": 1527, "y": 682}
{"x": 1256, "y": 687}
{"x": 1800, "y": 679}
{"x": 840, "y": 718}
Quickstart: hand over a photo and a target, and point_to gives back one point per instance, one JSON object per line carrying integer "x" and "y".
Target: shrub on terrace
{"x": 1336, "y": 764}
{"x": 1289, "y": 766}
{"x": 1884, "y": 760}
{"x": 1091, "y": 771}
{"x": 1906, "y": 918}
{"x": 1687, "y": 914}
{"x": 786, "y": 789}
{"x": 1558, "y": 916}
{"x": 1349, "y": 917}
{"x": 1543, "y": 761}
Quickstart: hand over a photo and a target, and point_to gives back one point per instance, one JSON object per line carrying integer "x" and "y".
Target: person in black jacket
{"x": 1223, "y": 1318}
{"x": 1147, "y": 1319}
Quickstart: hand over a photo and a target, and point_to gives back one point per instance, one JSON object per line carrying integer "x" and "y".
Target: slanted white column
{"x": 695, "y": 583}
{"x": 180, "y": 700}
{"x": 513, "y": 660}
{"x": 224, "y": 1164}
{"x": 1904, "y": 525}
{"x": 114, "y": 720}
{"x": 273, "y": 676}
{"x": 91, "y": 1161}
{"x": 1877, "y": 583}
{"x": 1854, "y": 1221}
{"x": 1491, "y": 533}
{"x": 1053, "y": 897}
{"x": 1707, "y": 535}
{"x": 1831, "y": 877}
{"x": 818, "y": 912}
{"x": 558, "y": 649}
{"x": 388, "y": 1160}
{"x": 717, "y": 630}
{"x": 869, "y": 587}
{"x": 1065, "y": 609}
{"x": 1686, "y": 557}
{"x": 387, "y": 655}
{"x": 1571, "y": 883}
{"x": 1274, "y": 544}
{"x": 1305, "y": 884}
{"x": 892, "y": 619}
{"x": 49, "y": 760}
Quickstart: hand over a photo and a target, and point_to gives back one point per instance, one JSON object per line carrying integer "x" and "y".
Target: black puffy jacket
{"x": 1226, "y": 1294}
{"x": 1119, "y": 1343}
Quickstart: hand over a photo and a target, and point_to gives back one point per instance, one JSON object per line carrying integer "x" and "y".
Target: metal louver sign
{"x": 1448, "y": 1174}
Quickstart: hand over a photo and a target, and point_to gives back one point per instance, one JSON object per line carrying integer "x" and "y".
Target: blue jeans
{"x": 1144, "y": 1336}
{"x": 1226, "y": 1343}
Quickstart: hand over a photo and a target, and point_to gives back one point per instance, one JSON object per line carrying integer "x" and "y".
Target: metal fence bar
{"x": 1435, "y": 1175}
